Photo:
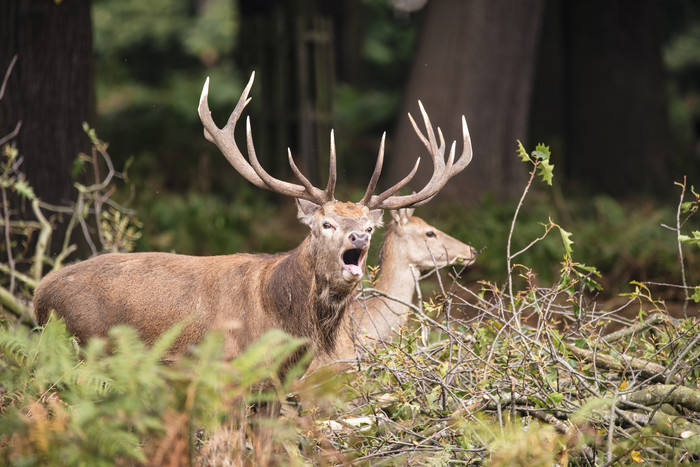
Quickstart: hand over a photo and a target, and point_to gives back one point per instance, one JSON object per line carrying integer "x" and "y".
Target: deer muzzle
{"x": 359, "y": 240}
{"x": 353, "y": 257}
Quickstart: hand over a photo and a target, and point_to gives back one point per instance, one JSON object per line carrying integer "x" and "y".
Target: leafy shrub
{"x": 115, "y": 402}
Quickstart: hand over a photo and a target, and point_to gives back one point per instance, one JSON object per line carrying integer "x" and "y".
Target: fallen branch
{"x": 653, "y": 320}
{"x": 10, "y": 303}
{"x": 666, "y": 393}
{"x": 622, "y": 363}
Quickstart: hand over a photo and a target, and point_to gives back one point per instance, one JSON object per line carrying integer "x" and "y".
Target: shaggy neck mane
{"x": 305, "y": 301}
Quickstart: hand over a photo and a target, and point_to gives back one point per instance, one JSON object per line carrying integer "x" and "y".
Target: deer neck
{"x": 307, "y": 302}
{"x": 381, "y": 315}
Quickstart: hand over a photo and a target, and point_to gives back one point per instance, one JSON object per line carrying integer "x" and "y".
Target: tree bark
{"x": 51, "y": 88}
{"x": 617, "y": 138}
{"x": 474, "y": 58}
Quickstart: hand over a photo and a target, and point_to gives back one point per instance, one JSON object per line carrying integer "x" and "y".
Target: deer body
{"x": 243, "y": 294}
{"x": 410, "y": 245}
{"x": 305, "y": 291}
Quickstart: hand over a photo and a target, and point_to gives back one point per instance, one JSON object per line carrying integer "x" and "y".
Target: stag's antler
{"x": 253, "y": 171}
{"x": 442, "y": 171}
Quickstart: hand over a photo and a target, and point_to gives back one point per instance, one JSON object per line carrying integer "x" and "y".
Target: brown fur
{"x": 302, "y": 291}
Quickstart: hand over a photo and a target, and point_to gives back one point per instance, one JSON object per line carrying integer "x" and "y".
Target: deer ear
{"x": 396, "y": 215}
{"x": 306, "y": 210}
{"x": 408, "y": 212}
{"x": 376, "y": 215}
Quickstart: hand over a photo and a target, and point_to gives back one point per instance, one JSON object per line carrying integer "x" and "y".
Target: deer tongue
{"x": 354, "y": 269}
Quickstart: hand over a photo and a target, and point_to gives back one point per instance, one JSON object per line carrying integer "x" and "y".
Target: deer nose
{"x": 359, "y": 240}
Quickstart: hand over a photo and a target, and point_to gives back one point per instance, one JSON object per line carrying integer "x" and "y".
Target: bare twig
{"x": 42, "y": 242}
{"x": 11, "y": 134}
{"x": 8, "y": 242}
{"x": 7, "y": 76}
{"x": 509, "y": 257}
{"x": 680, "y": 249}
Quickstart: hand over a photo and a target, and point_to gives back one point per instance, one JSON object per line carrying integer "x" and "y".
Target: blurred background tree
{"x": 476, "y": 59}
{"x": 51, "y": 89}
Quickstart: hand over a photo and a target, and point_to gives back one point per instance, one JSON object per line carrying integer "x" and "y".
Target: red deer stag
{"x": 410, "y": 245}
{"x": 304, "y": 291}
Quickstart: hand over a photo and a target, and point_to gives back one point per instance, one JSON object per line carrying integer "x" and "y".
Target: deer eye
{"x": 327, "y": 225}
{"x": 430, "y": 234}
{"x": 369, "y": 229}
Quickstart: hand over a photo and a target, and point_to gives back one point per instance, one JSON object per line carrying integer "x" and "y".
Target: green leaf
{"x": 522, "y": 154}
{"x": 546, "y": 171}
{"x": 542, "y": 152}
{"x": 696, "y": 295}
{"x": 24, "y": 189}
{"x": 688, "y": 206}
{"x": 78, "y": 164}
{"x": 91, "y": 133}
{"x": 555, "y": 397}
{"x": 694, "y": 240}
{"x": 566, "y": 239}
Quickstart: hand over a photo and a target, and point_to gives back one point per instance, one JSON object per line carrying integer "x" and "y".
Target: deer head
{"x": 422, "y": 246}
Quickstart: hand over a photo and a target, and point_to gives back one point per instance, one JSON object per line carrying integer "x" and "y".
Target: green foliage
{"x": 206, "y": 224}
{"x": 540, "y": 160}
{"x": 622, "y": 238}
{"x": 694, "y": 240}
{"x": 114, "y": 401}
{"x": 152, "y": 59}
{"x": 10, "y": 178}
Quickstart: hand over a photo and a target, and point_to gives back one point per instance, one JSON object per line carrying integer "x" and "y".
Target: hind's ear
{"x": 306, "y": 210}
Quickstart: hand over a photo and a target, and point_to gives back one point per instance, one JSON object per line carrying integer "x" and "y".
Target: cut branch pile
{"x": 483, "y": 383}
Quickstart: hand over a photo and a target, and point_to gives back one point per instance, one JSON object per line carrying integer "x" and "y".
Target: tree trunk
{"x": 617, "y": 136}
{"x": 474, "y": 58}
{"x": 290, "y": 44}
{"x": 51, "y": 88}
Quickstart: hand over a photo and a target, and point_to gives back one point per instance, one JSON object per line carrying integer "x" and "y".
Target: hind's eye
{"x": 430, "y": 234}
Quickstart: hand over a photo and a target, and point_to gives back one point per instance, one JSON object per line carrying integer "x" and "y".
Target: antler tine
{"x": 434, "y": 149}
{"x": 466, "y": 157}
{"x": 252, "y": 171}
{"x": 437, "y": 153}
{"x": 279, "y": 186}
{"x": 389, "y": 192}
{"x": 223, "y": 138}
{"x": 297, "y": 173}
{"x": 375, "y": 175}
{"x": 442, "y": 171}
{"x": 332, "y": 170}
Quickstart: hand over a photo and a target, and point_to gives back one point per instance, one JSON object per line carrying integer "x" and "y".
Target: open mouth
{"x": 351, "y": 260}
